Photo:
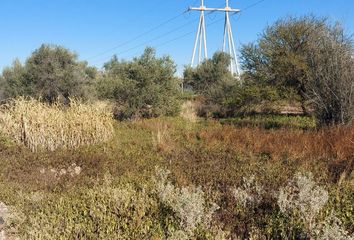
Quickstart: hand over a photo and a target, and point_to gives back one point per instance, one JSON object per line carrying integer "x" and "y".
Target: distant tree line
{"x": 143, "y": 87}
{"x": 307, "y": 60}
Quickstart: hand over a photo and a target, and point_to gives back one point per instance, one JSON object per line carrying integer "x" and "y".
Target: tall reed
{"x": 39, "y": 125}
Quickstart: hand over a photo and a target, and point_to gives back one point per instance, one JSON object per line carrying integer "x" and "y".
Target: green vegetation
{"x": 310, "y": 57}
{"x": 51, "y": 72}
{"x": 144, "y": 87}
{"x": 306, "y": 60}
{"x": 114, "y": 190}
{"x": 272, "y": 121}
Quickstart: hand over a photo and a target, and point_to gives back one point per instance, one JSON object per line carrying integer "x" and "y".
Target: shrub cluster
{"x": 161, "y": 210}
{"x": 305, "y": 60}
{"x": 142, "y": 88}
{"x": 111, "y": 211}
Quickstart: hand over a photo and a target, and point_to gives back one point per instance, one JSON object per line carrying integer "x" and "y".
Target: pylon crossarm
{"x": 214, "y": 9}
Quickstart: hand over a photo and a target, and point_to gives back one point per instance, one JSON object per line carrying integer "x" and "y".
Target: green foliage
{"x": 272, "y": 121}
{"x": 279, "y": 57}
{"x": 104, "y": 212}
{"x": 311, "y": 57}
{"x": 209, "y": 75}
{"x": 224, "y": 95}
{"x": 51, "y": 72}
{"x": 13, "y": 80}
{"x": 143, "y": 87}
{"x": 213, "y": 80}
{"x": 115, "y": 211}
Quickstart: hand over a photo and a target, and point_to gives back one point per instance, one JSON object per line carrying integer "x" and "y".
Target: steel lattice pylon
{"x": 228, "y": 39}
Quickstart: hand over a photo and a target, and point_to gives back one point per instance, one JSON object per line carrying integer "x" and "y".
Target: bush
{"x": 303, "y": 200}
{"x": 38, "y": 125}
{"x": 209, "y": 75}
{"x": 144, "y": 87}
{"x": 308, "y": 56}
{"x": 102, "y": 212}
{"x": 51, "y": 72}
{"x": 212, "y": 80}
{"x": 188, "y": 203}
{"x": 117, "y": 211}
{"x": 331, "y": 85}
{"x": 224, "y": 95}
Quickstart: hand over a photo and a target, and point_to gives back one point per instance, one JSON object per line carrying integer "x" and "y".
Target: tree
{"x": 310, "y": 56}
{"x": 212, "y": 80}
{"x": 208, "y": 75}
{"x": 331, "y": 85}
{"x": 51, "y": 72}
{"x": 12, "y": 80}
{"x": 143, "y": 87}
{"x": 279, "y": 57}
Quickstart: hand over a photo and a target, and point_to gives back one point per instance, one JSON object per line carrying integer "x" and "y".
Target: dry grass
{"x": 335, "y": 142}
{"x": 189, "y": 111}
{"x": 332, "y": 147}
{"x": 38, "y": 125}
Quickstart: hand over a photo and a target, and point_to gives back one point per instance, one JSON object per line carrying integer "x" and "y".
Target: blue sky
{"x": 91, "y": 27}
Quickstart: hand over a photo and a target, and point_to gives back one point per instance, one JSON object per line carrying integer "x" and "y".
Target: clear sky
{"x": 91, "y": 27}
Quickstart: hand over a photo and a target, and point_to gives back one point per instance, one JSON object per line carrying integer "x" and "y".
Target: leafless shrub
{"x": 250, "y": 193}
{"x": 332, "y": 77}
{"x": 160, "y": 134}
{"x": 332, "y": 229}
{"x": 188, "y": 203}
{"x": 303, "y": 197}
{"x": 189, "y": 111}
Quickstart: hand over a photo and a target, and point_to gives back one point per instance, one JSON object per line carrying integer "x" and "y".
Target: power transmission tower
{"x": 228, "y": 40}
{"x": 200, "y": 38}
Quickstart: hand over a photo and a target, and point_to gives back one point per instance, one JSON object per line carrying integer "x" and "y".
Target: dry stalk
{"x": 38, "y": 125}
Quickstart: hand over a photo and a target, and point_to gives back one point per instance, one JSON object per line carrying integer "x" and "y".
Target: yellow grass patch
{"x": 38, "y": 125}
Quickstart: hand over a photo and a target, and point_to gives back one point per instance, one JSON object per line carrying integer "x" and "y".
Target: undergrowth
{"x": 222, "y": 182}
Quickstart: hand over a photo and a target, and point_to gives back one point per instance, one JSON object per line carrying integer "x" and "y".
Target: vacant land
{"x": 122, "y": 189}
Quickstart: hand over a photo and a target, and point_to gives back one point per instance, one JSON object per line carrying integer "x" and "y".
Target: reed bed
{"x": 39, "y": 125}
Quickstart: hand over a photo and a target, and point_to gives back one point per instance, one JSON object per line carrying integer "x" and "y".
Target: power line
{"x": 219, "y": 20}
{"x": 253, "y": 5}
{"x": 168, "y": 33}
{"x": 156, "y": 38}
{"x": 138, "y": 36}
{"x": 181, "y": 36}
{"x": 187, "y": 34}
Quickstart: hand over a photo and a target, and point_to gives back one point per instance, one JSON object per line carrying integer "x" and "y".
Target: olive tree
{"x": 51, "y": 72}
{"x": 12, "y": 81}
{"x": 143, "y": 87}
{"x": 209, "y": 75}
